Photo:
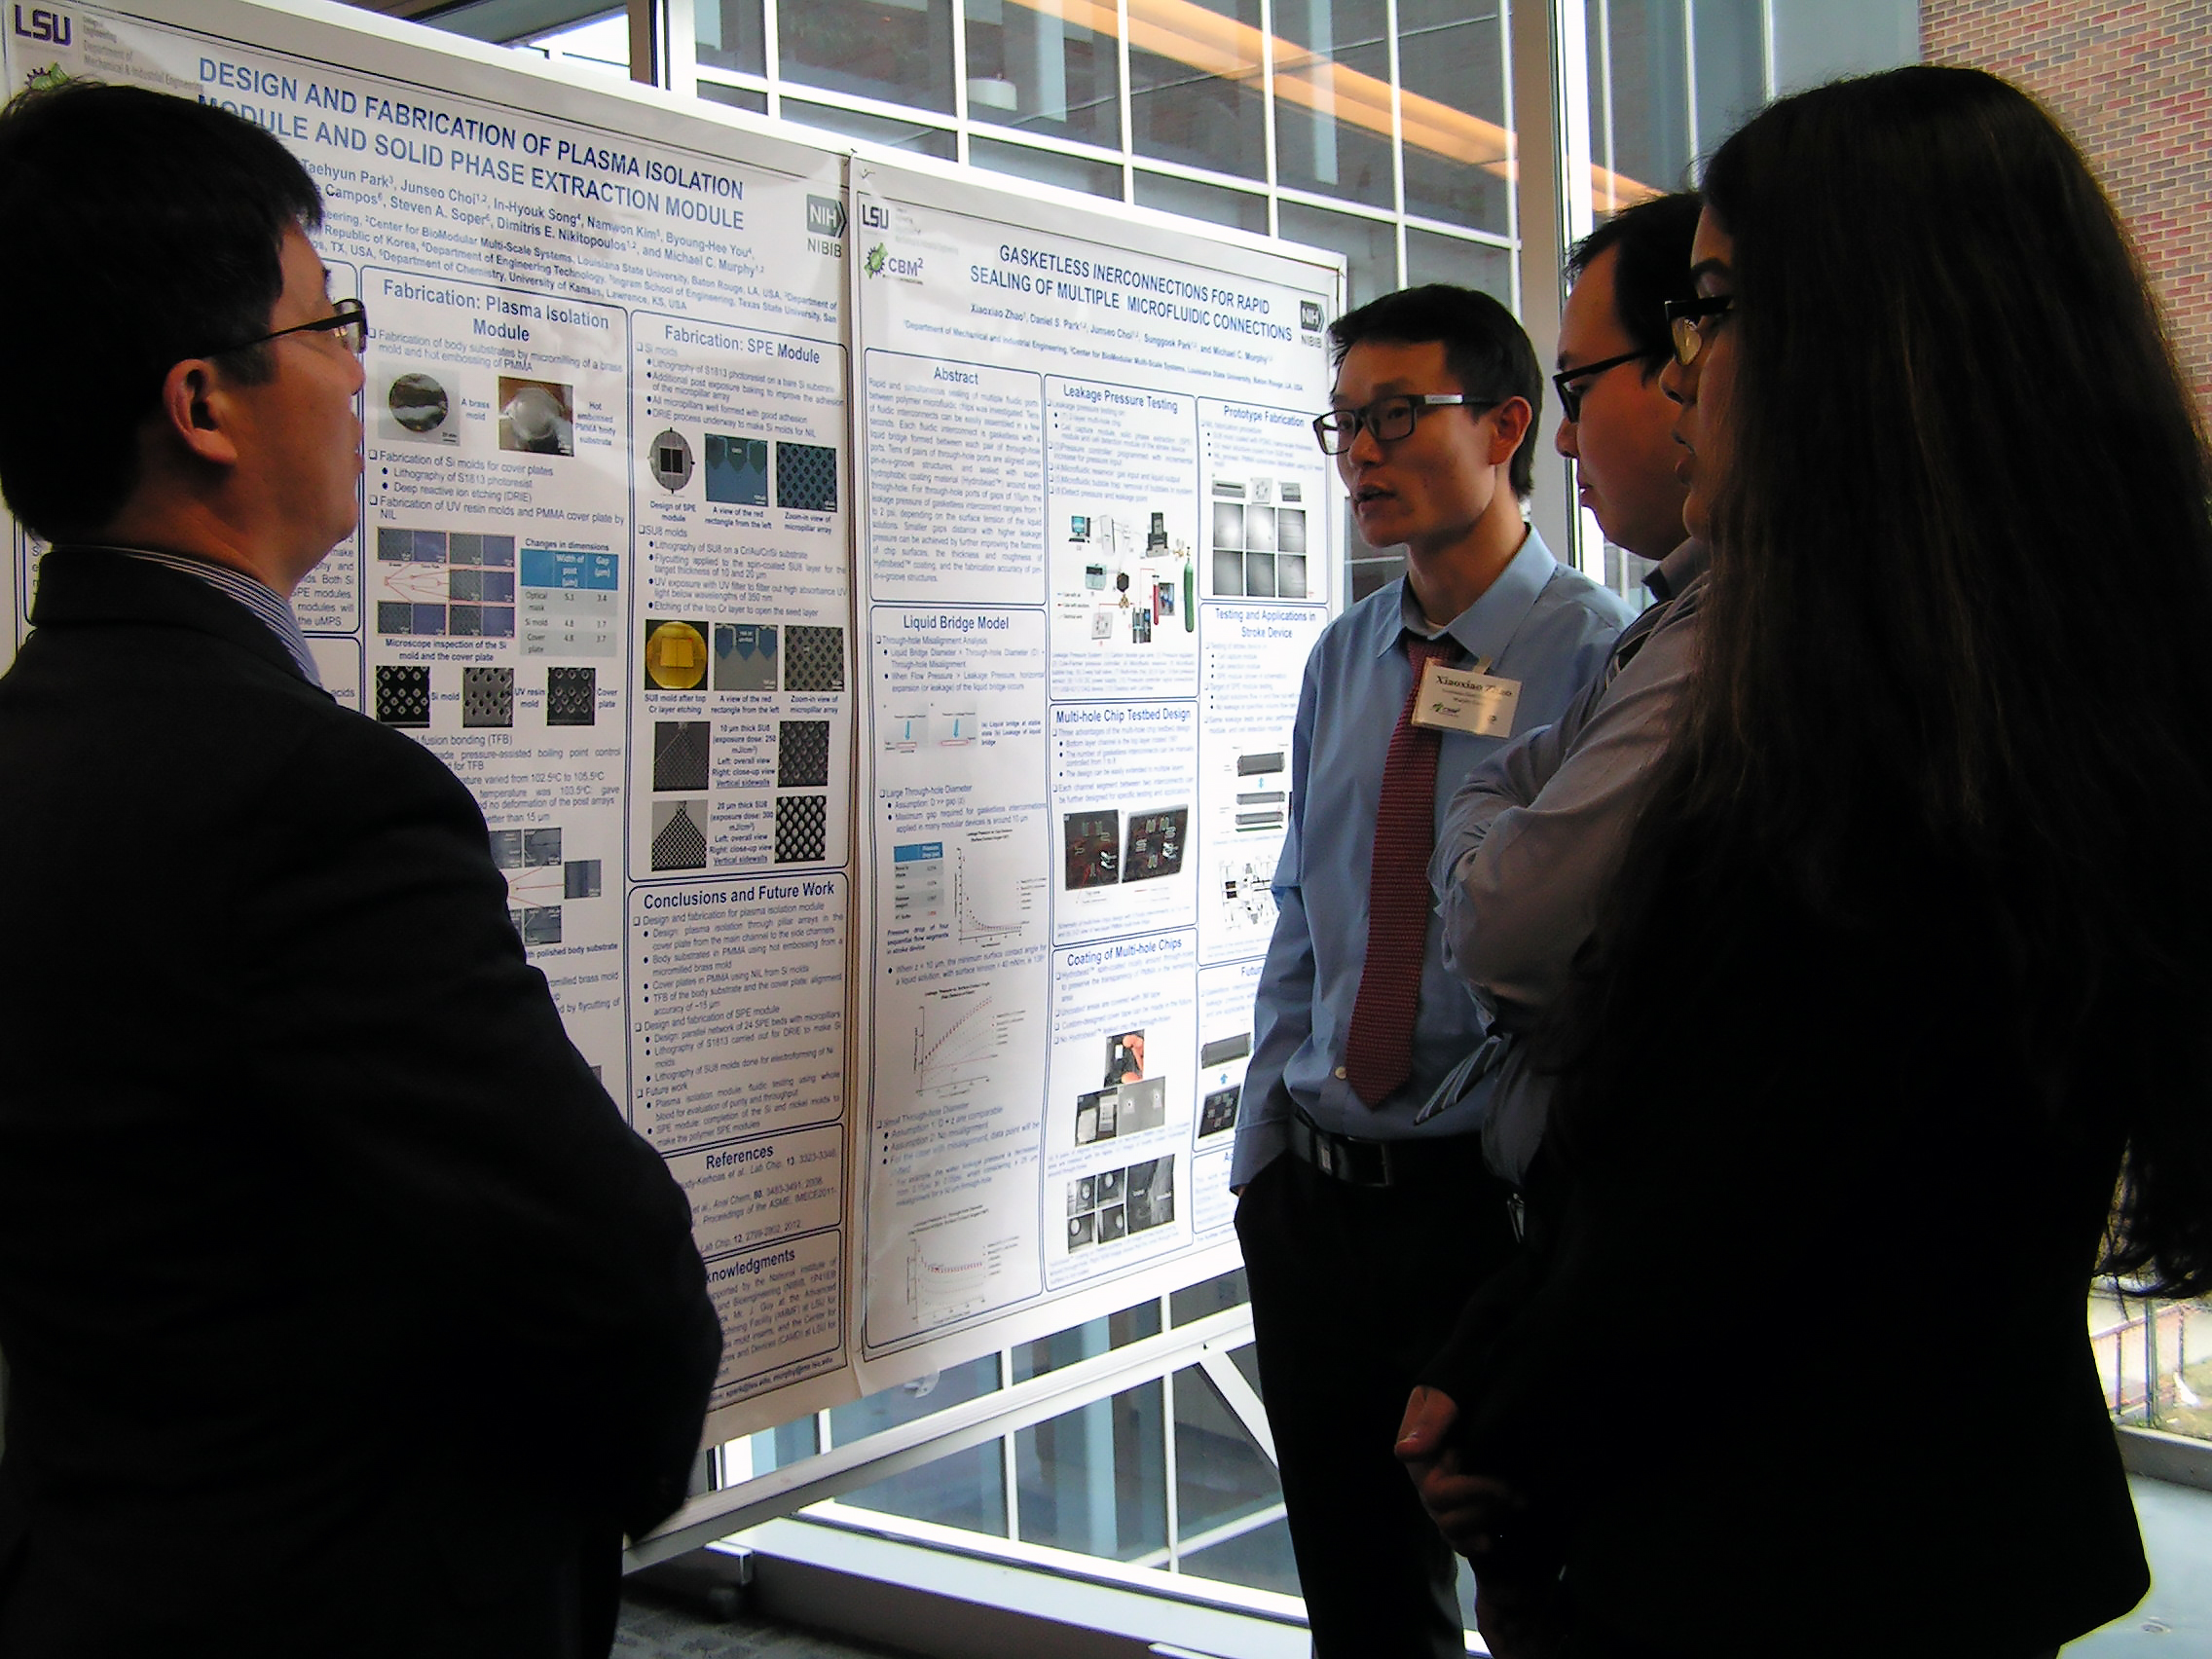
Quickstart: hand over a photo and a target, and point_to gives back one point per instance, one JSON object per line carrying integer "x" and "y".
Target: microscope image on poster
{"x": 1257, "y": 537}
{"x": 1103, "y": 848}
{"x": 1130, "y": 1103}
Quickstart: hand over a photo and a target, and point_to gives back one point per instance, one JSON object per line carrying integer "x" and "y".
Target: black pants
{"x": 1354, "y": 1288}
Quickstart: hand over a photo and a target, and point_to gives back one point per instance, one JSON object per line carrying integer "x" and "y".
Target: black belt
{"x": 1360, "y": 1162}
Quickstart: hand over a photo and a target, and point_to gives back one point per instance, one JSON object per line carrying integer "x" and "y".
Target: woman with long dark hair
{"x": 1898, "y": 1030}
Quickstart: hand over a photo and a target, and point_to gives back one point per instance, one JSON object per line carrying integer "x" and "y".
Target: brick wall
{"x": 2133, "y": 83}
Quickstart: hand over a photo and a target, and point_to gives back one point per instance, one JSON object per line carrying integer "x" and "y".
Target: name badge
{"x": 1462, "y": 699}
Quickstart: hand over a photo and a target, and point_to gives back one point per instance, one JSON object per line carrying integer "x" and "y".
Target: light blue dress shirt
{"x": 1529, "y": 845}
{"x": 1540, "y": 623}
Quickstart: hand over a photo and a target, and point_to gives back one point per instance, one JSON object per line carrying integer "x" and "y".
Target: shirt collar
{"x": 272, "y": 608}
{"x": 1677, "y": 569}
{"x": 1488, "y": 626}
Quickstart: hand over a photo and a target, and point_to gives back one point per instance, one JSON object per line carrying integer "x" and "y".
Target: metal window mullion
{"x": 1606, "y": 67}
{"x": 679, "y": 46}
{"x": 1128, "y": 107}
{"x": 1268, "y": 108}
{"x": 1241, "y": 1399}
{"x": 1397, "y": 141}
{"x": 1010, "y": 1463}
{"x": 772, "y": 57}
{"x": 1169, "y": 1480}
{"x": 959, "y": 80}
{"x": 1689, "y": 74}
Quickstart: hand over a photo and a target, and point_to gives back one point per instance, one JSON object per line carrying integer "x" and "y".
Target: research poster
{"x": 1097, "y": 543}
{"x": 603, "y": 571}
{"x": 868, "y": 610}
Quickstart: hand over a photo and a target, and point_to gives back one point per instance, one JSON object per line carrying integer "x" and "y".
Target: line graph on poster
{"x": 960, "y": 1034}
{"x": 949, "y": 1271}
{"x": 994, "y": 899}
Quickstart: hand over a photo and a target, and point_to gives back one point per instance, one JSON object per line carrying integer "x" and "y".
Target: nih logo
{"x": 824, "y": 216}
{"x": 1310, "y": 315}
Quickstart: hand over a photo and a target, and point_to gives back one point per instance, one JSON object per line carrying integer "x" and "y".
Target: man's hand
{"x": 1471, "y": 1511}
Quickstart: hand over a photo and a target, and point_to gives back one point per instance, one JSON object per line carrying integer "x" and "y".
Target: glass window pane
{"x": 1216, "y": 1295}
{"x": 966, "y": 1489}
{"x": 875, "y": 1412}
{"x": 2155, "y": 1361}
{"x": 1221, "y": 1474}
{"x": 1049, "y": 66}
{"x": 1209, "y": 201}
{"x": 1369, "y": 246}
{"x": 1332, "y": 99}
{"x": 1095, "y": 1479}
{"x": 1258, "y": 1558}
{"x": 1048, "y": 167}
{"x": 1639, "y": 118}
{"x": 1452, "y": 61}
{"x": 853, "y": 123}
{"x": 730, "y": 36}
{"x": 1194, "y": 78}
{"x": 1087, "y": 1341}
{"x": 737, "y": 97}
{"x": 1433, "y": 258}
{"x": 774, "y": 1447}
{"x": 601, "y": 43}
{"x": 899, "y": 51}
{"x": 1731, "y": 67}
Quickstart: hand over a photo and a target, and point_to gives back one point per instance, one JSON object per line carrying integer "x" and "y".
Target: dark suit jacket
{"x": 330, "y": 1277}
{"x": 1796, "y": 1360}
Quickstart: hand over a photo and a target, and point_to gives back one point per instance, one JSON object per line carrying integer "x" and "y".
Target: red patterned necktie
{"x": 1378, "y": 1052}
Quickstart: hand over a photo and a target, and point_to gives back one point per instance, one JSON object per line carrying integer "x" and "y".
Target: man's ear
{"x": 195, "y": 412}
{"x": 1513, "y": 419}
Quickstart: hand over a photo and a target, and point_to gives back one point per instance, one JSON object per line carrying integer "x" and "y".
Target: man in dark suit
{"x": 332, "y": 1284}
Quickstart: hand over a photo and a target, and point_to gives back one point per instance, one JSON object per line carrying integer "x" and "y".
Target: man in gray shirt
{"x": 1532, "y": 838}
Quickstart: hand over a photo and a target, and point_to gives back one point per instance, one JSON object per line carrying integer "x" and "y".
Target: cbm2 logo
{"x": 49, "y": 26}
{"x": 875, "y": 216}
{"x": 824, "y": 216}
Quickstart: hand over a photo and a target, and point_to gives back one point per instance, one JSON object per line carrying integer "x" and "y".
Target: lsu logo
{"x": 875, "y": 216}
{"x": 52, "y": 27}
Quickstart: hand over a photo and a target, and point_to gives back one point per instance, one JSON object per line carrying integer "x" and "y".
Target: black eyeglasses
{"x": 1686, "y": 319}
{"x": 1386, "y": 419}
{"x": 348, "y": 320}
{"x": 1567, "y": 380}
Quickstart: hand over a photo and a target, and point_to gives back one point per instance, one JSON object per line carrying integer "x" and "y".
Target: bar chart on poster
{"x": 868, "y": 607}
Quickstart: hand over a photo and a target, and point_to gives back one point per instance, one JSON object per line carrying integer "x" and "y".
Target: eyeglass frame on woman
{"x": 1683, "y": 320}
{"x": 1417, "y": 403}
{"x": 1571, "y": 395}
{"x": 349, "y": 319}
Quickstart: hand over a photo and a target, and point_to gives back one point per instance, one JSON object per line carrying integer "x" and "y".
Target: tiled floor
{"x": 2176, "y": 1618}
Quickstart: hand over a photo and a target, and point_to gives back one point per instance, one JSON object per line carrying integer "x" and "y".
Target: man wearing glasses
{"x": 1526, "y": 850}
{"x": 1363, "y": 1230}
{"x": 327, "y": 1267}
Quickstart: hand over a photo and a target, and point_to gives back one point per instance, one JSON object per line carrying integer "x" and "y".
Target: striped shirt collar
{"x": 265, "y": 602}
